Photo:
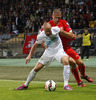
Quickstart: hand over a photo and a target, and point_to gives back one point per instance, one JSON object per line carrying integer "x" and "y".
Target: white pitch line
{"x": 33, "y": 81}
{"x": 42, "y": 82}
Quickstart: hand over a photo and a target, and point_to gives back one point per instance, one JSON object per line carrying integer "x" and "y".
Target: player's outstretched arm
{"x": 28, "y": 58}
{"x": 69, "y": 35}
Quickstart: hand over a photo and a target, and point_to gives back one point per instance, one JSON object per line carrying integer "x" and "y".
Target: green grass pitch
{"x": 15, "y": 70}
{"x": 36, "y": 91}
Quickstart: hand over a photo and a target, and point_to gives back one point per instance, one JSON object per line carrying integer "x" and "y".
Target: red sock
{"x": 82, "y": 70}
{"x": 76, "y": 75}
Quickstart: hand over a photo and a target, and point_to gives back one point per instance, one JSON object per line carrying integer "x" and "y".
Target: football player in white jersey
{"x": 54, "y": 50}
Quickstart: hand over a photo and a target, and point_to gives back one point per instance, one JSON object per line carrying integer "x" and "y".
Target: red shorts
{"x": 72, "y": 53}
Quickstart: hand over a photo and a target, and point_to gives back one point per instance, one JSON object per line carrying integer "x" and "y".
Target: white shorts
{"x": 46, "y": 58}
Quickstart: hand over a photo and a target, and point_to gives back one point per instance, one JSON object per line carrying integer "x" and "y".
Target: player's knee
{"x": 72, "y": 63}
{"x": 80, "y": 62}
{"x": 65, "y": 62}
{"x": 38, "y": 67}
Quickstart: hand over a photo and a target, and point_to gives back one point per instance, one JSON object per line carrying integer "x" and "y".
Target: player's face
{"x": 48, "y": 32}
{"x": 56, "y": 18}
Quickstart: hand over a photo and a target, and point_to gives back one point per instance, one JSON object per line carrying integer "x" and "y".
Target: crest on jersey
{"x": 67, "y": 23}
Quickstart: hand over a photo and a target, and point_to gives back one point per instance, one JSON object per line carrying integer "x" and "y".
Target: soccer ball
{"x": 50, "y": 85}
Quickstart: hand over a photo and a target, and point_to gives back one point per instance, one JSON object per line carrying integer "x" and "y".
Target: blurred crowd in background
{"x": 28, "y": 15}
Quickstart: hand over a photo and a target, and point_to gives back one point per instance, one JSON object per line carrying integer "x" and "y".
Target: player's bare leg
{"x": 31, "y": 76}
{"x": 81, "y": 68}
{"x": 75, "y": 72}
{"x": 66, "y": 72}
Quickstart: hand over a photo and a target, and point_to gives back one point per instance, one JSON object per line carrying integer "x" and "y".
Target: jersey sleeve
{"x": 41, "y": 28}
{"x": 67, "y": 27}
{"x": 39, "y": 39}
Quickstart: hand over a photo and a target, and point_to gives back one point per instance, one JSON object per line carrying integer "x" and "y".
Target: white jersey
{"x": 53, "y": 41}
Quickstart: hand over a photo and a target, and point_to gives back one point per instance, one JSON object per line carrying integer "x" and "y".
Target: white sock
{"x": 66, "y": 74}
{"x": 30, "y": 77}
{"x": 65, "y": 82}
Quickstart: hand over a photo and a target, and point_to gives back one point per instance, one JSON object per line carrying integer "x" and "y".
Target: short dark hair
{"x": 85, "y": 28}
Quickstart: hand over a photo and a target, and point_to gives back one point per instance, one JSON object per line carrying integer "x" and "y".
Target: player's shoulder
{"x": 64, "y": 21}
{"x": 51, "y": 21}
{"x": 41, "y": 35}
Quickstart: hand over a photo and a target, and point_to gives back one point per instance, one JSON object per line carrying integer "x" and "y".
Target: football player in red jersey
{"x": 56, "y": 21}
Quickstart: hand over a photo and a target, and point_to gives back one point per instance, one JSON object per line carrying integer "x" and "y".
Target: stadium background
{"x": 19, "y": 18}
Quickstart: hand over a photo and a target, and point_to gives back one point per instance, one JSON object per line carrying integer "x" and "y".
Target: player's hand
{"x": 28, "y": 58}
